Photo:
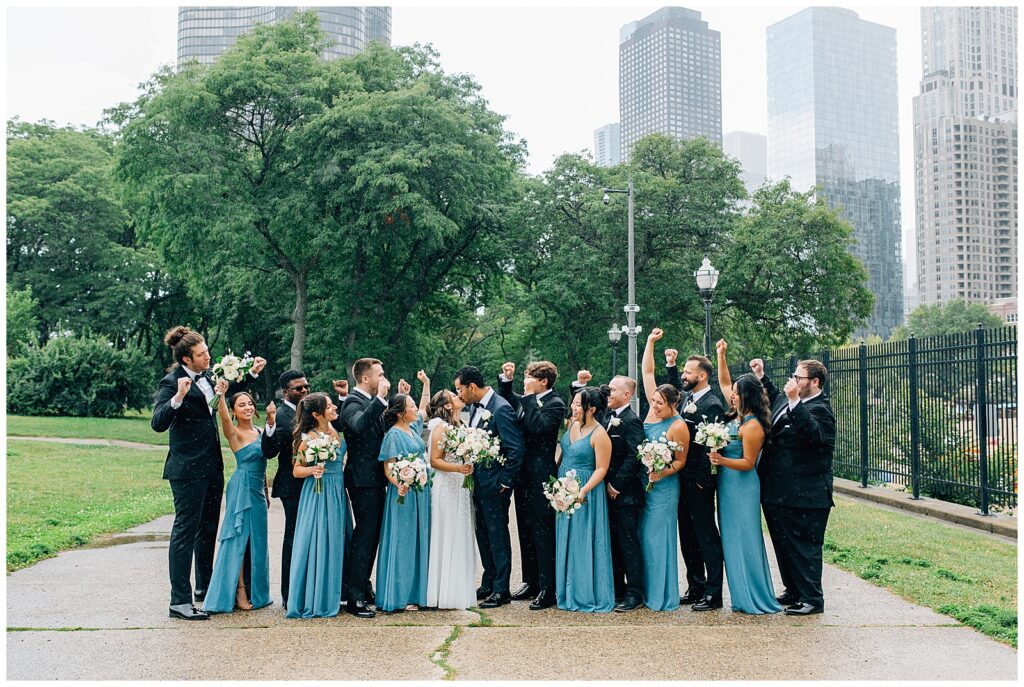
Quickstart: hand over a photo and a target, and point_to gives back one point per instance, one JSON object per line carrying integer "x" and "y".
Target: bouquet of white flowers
{"x": 320, "y": 448}
{"x": 714, "y": 435}
{"x": 564, "y": 494}
{"x": 410, "y": 470}
{"x": 472, "y": 445}
{"x": 231, "y": 368}
{"x": 656, "y": 455}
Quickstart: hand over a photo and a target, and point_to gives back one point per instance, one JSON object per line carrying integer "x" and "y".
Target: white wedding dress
{"x": 451, "y": 570}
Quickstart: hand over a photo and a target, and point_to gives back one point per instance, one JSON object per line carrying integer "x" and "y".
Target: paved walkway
{"x": 96, "y": 442}
{"x": 100, "y": 613}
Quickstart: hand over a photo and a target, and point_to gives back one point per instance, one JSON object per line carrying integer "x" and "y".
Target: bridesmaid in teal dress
{"x": 739, "y": 493}
{"x": 405, "y": 532}
{"x": 245, "y": 514}
{"x": 583, "y": 547}
{"x": 659, "y": 519}
{"x": 322, "y": 524}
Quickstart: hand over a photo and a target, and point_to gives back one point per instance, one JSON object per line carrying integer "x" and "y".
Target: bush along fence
{"x": 936, "y": 416}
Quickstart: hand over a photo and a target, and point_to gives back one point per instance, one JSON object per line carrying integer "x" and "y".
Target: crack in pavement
{"x": 439, "y": 656}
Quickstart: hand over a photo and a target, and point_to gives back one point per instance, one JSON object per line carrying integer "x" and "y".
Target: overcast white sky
{"x": 552, "y": 70}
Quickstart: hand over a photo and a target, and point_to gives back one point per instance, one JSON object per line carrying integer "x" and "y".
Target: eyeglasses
{"x": 799, "y": 377}
{"x": 299, "y": 387}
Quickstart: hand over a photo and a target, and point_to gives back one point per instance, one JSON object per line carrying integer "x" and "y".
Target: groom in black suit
{"x": 699, "y": 538}
{"x": 540, "y": 413}
{"x": 494, "y": 484}
{"x": 194, "y": 466}
{"x": 277, "y": 441}
{"x": 796, "y": 481}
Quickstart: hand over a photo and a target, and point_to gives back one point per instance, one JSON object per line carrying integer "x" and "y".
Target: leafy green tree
{"x": 22, "y": 323}
{"x": 955, "y": 317}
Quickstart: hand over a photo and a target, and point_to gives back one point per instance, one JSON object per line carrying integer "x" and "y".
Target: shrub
{"x": 78, "y": 375}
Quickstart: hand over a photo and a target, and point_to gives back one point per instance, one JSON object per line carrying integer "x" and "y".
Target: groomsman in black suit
{"x": 539, "y": 412}
{"x": 194, "y": 465}
{"x": 699, "y": 538}
{"x": 362, "y": 421}
{"x": 625, "y": 490}
{"x": 277, "y": 441}
{"x": 796, "y": 481}
{"x": 494, "y": 484}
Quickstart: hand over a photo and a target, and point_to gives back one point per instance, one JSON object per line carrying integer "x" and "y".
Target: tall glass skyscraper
{"x": 606, "y": 145}
{"x": 670, "y": 78}
{"x": 832, "y": 124}
{"x": 204, "y": 33}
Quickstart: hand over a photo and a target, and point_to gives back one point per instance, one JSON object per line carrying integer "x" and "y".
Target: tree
{"x": 22, "y": 323}
{"x": 955, "y": 317}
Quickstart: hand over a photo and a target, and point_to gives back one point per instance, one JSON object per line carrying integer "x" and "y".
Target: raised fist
{"x": 509, "y": 370}
{"x": 792, "y": 389}
{"x": 184, "y": 384}
{"x": 670, "y": 356}
{"x": 404, "y": 387}
{"x": 721, "y": 347}
{"x": 340, "y": 386}
{"x": 221, "y": 387}
{"x": 258, "y": 364}
{"x": 655, "y": 334}
{"x": 584, "y": 376}
{"x": 422, "y": 376}
{"x": 271, "y": 413}
{"x": 757, "y": 367}
{"x": 384, "y": 387}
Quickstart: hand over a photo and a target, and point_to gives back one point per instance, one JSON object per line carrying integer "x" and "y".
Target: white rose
{"x": 690, "y": 409}
{"x": 485, "y": 415}
{"x": 615, "y": 421}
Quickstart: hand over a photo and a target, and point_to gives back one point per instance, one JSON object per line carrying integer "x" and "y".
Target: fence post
{"x": 825, "y": 360}
{"x": 915, "y": 420}
{"x": 863, "y": 414}
{"x": 981, "y": 416}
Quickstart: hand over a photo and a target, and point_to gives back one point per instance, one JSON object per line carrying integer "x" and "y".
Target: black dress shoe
{"x": 199, "y": 595}
{"x": 187, "y": 612}
{"x": 690, "y": 598}
{"x": 787, "y": 598}
{"x": 707, "y": 603}
{"x": 495, "y": 600}
{"x": 629, "y": 603}
{"x": 360, "y": 610}
{"x": 482, "y": 593}
{"x": 804, "y": 609}
{"x": 543, "y": 600}
{"x": 524, "y": 593}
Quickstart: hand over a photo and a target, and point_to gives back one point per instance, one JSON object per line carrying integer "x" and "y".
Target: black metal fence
{"x": 936, "y": 415}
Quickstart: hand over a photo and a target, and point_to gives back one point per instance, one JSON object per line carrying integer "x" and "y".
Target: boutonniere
{"x": 615, "y": 421}
{"x": 540, "y": 403}
{"x": 485, "y": 415}
{"x": 690, "y": 409}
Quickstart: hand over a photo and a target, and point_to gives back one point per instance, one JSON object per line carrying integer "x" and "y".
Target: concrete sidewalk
{"x": 100, "y": 613}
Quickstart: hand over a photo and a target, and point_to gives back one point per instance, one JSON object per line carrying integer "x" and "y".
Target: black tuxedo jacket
{"x": 280, "y": 445}
{"x": 796, "y": 469}
{"x": 194, "y": 445}
{"x": 502, "y": 424}
{"x": 540, "y": 424}
{"x": 624, "y": 470}
{"x": 362, "y": 422}
{"x": 709, "y": 409}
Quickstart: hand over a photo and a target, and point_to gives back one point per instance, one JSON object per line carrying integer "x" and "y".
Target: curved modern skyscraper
{"x": 204, "y": 33}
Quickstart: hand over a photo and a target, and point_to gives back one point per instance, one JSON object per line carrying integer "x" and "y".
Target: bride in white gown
{"x": 451, "y": 569}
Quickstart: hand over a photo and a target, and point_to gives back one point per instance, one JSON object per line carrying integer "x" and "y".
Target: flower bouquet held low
{"x": 321, "y": 448}
{"x": 232, "y": 369}
{"x": 714, "y": 435}
{"x": 410, "y": 470}
{"x": 563, "y": 494}
{"x": 656, "y": 456}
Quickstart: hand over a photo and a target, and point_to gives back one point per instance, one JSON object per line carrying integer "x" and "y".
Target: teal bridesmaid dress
{"x": 405, "y": 532}
{"x": 739, "y": 517}
{"x": 245, "y": 523}
{"x": 658, "y": 533}
{"x": 322, "y": 527}
{"x": 583, "y": 546}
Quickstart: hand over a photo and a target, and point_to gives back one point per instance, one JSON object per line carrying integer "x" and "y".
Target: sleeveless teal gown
{"x": 739, "y": 517}
{"x": 245, "y": 522}
{"x": 405, "y": 532}
{"x": 322, "y": 527}
{"x": 659, "y": 533}
{"x": 583, "y": 545}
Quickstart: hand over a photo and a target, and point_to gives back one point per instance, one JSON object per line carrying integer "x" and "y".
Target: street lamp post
{"x": 631, "y": 308}
{"x": 614, "y": 334}
{"x": 707, "y": 280}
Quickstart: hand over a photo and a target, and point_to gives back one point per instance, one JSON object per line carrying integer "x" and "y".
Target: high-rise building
{"x": 965, "y": 155}
{"x": 205, "y": 33}
{"x": 752, "y": 152}
{"x": 832, "y": 124}
{"x": 606, "y": 145}
{"x": 670, "y": 78}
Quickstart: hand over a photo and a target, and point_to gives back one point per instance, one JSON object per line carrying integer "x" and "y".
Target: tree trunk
{"x": 299, "y": 319}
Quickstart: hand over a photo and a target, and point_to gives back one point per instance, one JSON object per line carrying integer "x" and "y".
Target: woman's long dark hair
{"x": 670, "y": 394}
{"x": 437, "y": 408}
{"x": 752, "y": 399}
{"x": 592, "y": 398}
{"x": 304, "y": 420}
{"x": 234, "y": 397}
{"x": 395, "y": 409}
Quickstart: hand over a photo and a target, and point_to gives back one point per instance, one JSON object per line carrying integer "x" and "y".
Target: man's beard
{"x": 688, "y": 385}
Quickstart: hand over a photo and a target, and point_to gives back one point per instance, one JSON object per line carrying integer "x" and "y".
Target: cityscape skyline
{"x": 92, "y": 58}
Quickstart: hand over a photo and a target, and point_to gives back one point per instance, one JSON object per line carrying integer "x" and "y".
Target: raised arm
{"x": 724, "y": 378}
{"x": 647, "y": 367}
{"x": 425, "y": 394}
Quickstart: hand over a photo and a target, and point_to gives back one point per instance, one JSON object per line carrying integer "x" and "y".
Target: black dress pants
{"x": 699, "y": 539}
{"x": 535, "y": 522}
{"x": 291, "y": 514}
{"x": 368, "y": 512}
{"x": 797, "y": 536}
{"x": 193, "y": 534}
{"x": 627, "y": 555}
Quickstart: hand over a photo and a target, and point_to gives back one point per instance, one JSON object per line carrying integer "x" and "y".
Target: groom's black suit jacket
{"x": 796, "y": 470}
{"x": 502, "y": 424}
{"x": 193, "y": 446}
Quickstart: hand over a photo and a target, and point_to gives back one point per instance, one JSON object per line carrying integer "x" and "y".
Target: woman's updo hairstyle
{"x": 396, "y": 406}
{"x": 437, "y": 408}
{"x": 591, "y": 398}
{"x": 669, "y": 393}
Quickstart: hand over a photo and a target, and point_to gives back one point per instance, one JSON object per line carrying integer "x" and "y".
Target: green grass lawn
{"x": 966, "y": 575}
{"x": 60, "y": 496}
{"x": 132, "y": 427}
